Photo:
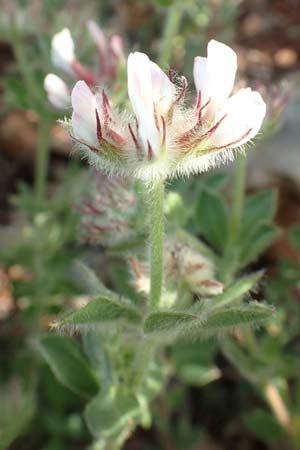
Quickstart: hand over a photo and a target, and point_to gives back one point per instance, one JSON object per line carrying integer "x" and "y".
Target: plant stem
{"x": 238, "y": 196}
{"x": 36, "y": 100}
{"x": 171, "y": 27}
{"x": 41, "y": 162}
{"x": 277, "y": 405}
{"x": 25, "y": 69}
{"x": 229, "y": 265}
{"x": 156, "y": 235}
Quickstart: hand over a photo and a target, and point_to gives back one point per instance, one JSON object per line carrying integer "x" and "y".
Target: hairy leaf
{"x": 90, "y": 281}
{"x": 209, "y": 322}
{"x": 68, "y": 364}
{"x": 236, "y": 290}
{"x": 260, "y": 207}
{"x": 236, "y": 316}
{"x": 212, "y": 218}
{"x": 257, "y": 242}
{"x": 167, "y": 321}
{"x": 17, "y": 410}
{"x": 107, "y": 415}
{"x": 101, "y": 310}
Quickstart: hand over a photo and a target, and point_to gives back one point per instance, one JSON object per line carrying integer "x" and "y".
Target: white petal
{"x": 57, "y": 90}
{"x": 245, "y": 112}
{"x": 98, "y": 36}
{"x": 62, "y": 51}
{"x": 117, "y": 46}
{"x": 214, "y": 76}
{"x": 84, "y": 114}
{"x": 141, "y": 96}
{"x": 162, "y": 88}
{"x": 201, "y": 78}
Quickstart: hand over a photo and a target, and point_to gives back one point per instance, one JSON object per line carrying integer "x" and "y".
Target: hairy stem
{"x": 173, "y": 17}
{"x": 230, "y": 259}
{"x": 238, "y": 196}
{"x": 156, "y": 235}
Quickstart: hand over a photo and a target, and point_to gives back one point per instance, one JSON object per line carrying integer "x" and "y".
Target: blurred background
{"x": 211, "y": 405}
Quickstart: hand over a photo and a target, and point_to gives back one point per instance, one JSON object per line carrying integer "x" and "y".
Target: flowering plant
{"x": 176, "y": 289}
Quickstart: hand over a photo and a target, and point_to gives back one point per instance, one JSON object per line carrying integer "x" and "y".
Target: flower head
{"x": 63, "y": 55}
{"x": 165, "y": 137}
{"x": 108, "y": 211}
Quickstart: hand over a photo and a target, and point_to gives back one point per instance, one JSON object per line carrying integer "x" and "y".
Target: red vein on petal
{"x": 150, "y": 151}
{"x": 134, "y": 138}
{"x": 99, "y": 129}
{"x": 230, "y": 143}
{"x": 163, "y": 130}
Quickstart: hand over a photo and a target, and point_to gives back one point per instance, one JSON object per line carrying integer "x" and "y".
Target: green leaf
{"x": 196, "y": 375}
{"x": 257, "y": 231}
{"x": 101, "y": 310}
{"x": 212, "y": 218}
{"x": 94, "y": 345}
{"x": 107, "y": 415}
{"x": 167, "y": 321}
{"x": 173, "y": 323}
{"x": 213, "y": 181}
{"x": 294, "y": 236}
{"x": 264, "y": 426}
{"x": 236, "y": 290}
{"x": 90, "y": 282}
{"x": 68, "y": 364}
{"x": 252, "y": 313}
{"x": 175, "y": 210}
{"x": 164, "y": 3}
{"x": 17, "y": 410}
{"x": 260, "y": 207}
{"x": 256, "y": 243}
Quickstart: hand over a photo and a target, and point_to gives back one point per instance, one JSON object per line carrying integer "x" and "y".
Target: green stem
{"x": 144, "y": 355}
{"x": 42, "y": 157}
{"x": 36, "y": 99}
{"x": 229, "y": 265}
{"x": 25, "y": 69}
{"x": 156, "y": 235}
{"x": 171, "y": 27}
{"x": 238, "y": 196}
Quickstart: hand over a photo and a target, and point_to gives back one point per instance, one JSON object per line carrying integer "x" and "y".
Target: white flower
{"x": 240, "y": 116}
{"x": 111, "y": 54}
{"x": 62, "y": 51}
{"x": 165, "y": 138}
{"x": 58, "y": 92}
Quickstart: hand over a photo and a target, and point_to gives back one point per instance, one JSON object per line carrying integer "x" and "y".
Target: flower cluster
{"x": 111, "y": 54}
{"x": 164, "y": 137}
{"x": 182, "y": 265}
{"x": 186, "y": 265}
{"x": 107, "y": 213}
